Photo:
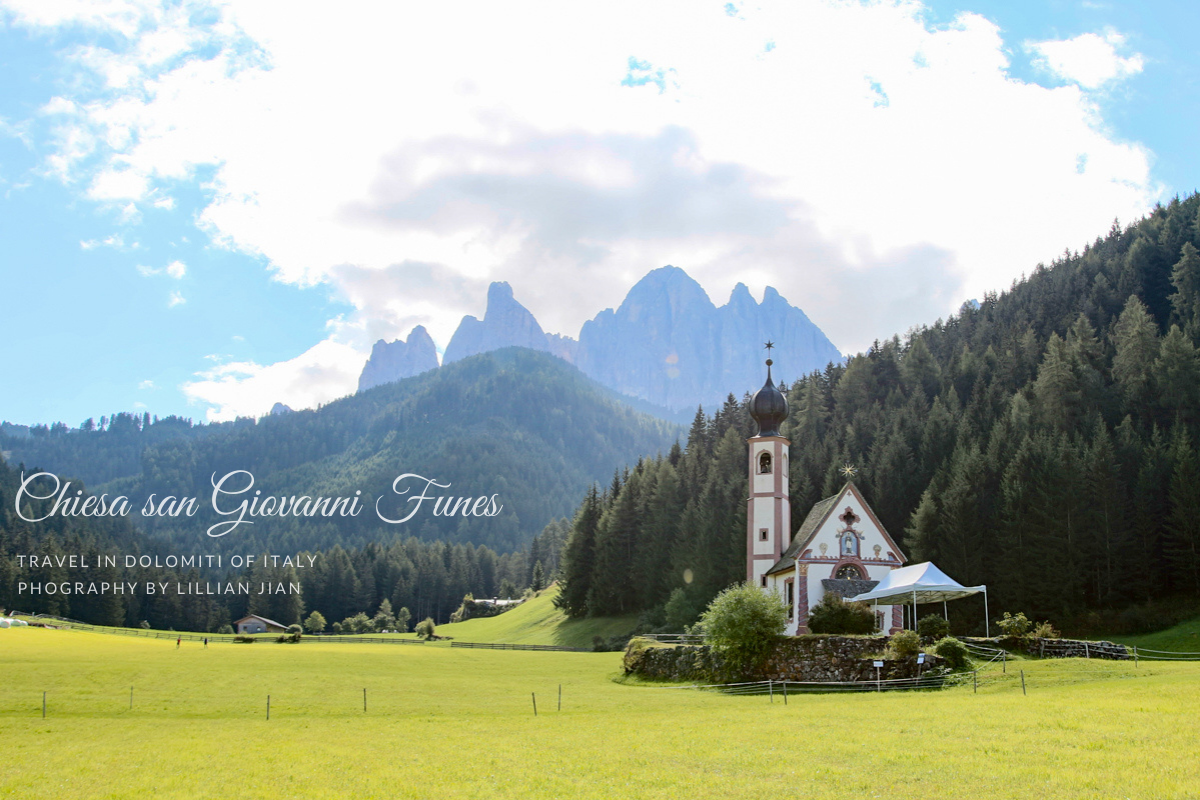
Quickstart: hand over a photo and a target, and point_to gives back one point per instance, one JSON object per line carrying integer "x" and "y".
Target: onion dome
{"x": 769, "y": 407}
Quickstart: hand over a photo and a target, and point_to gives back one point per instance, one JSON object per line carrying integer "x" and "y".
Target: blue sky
{"x": 203, "y": 213}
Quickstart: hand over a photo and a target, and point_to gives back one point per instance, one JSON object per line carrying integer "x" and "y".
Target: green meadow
{"x": 449, "y": 722}
{"x": 1184, "y": 637}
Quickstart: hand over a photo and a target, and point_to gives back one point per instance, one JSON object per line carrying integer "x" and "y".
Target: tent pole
{"x": 914, "y": 618}
{"x": 987, "y": 625}
{"x": 945, "y": 612}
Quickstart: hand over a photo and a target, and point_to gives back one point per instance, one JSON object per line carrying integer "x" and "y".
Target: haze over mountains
{"x": 667, "y": 343}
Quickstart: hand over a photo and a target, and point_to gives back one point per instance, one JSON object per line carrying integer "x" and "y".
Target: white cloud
{"x": 867, "y": 165}
{"x": 176, "y": 269}
{"x": 175, "y": 299}
{"x": 147, "y": 384}
{"x": 1089, "y": 60}
{"x": 115, "y": 240}
{"x": 324, "y": 372}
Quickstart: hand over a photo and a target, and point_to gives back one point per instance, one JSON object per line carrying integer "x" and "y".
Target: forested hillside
{"x": 520, "y": 425}
{"x": 1043, "y": 443}
{"x": 427, "y": 578}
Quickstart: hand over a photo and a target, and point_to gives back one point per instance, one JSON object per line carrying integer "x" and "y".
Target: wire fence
{"x": 505, "y": 646}
{"x": 1146, "y": 654}
{"x": 673, "y": 638}
{"x": 782, "y": 689}
{"x": 145, "y": 633}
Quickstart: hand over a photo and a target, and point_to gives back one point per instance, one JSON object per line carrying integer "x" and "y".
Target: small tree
{"x": 507, "y": 589}
{"x": 743, "y": 623}
{"x": 681, "y": 610}
{"x": 933, "y": 627}
{"x": 359, "y": 623}
{"x": 402, "y": 618}
{"x": 538, "y": 581}
{"x": 1014, "y": 626}
{"x": 425, "y": 628}
{"x": 336, "y": 627}
{"x": 904, "y": 644}
{"x": 315, "y": 622}
{"x": 384, "y": 618}
{"x": 835, "y": 615}
{"x": 463, "y": 612}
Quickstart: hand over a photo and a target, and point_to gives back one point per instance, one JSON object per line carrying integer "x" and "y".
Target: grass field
{"x": 1184, "y": 637}
{"x": 449, "y": 723}
{"x": 537, "y": 621}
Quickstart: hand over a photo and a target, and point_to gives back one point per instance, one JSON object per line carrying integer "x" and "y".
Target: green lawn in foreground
{"x": 457, "y": 723}
{"x": 537, "y": 621}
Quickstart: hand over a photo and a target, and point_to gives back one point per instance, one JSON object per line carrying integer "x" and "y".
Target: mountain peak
{"x": 505, "y": 323}
{"x": 499, "y": 294}
{"x": 399, "y": 359}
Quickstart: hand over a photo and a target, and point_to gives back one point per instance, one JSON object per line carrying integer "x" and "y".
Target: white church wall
{"x": 764, "y": 517}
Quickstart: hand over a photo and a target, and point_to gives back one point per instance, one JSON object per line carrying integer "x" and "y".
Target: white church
{"x": 841, "y": 547}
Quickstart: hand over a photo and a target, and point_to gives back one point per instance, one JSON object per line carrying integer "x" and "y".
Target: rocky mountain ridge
{"x": 667, "y": 343}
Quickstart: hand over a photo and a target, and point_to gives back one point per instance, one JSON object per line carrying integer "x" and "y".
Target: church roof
{"x": 768, "y": 407}
{"x": 816, "y": 518}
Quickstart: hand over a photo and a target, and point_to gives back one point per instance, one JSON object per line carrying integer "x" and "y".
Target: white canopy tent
{"x": 921, "y": 583}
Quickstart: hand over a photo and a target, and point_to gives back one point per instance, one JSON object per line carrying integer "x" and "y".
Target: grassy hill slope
{"x": 537, "y": 621}
{"x": 1184, "y": 637}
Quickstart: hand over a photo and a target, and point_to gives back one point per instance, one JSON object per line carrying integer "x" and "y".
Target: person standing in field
{"x": 205, "y": 642}
{"x": 178, "y": 642}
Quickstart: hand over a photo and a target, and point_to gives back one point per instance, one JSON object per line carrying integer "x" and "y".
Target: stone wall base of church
{"x": 813, "y": 657}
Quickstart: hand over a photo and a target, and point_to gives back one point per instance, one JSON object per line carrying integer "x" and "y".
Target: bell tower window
{"x": 764, "y": 464}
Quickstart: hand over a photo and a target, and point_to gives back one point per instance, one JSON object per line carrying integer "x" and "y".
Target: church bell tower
{"x": 768, "y": 511}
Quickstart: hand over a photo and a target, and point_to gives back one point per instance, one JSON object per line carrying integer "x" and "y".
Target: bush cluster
{"x": 743, "y": 623}
{"x": 954, "y": 651}
{"x": 904, "y": 644}
{"x": 933, "y": 628}
{"x": 835, "y": 615}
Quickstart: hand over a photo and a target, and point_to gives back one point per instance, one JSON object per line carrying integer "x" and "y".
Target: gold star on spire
{"x": 849, "y": 470}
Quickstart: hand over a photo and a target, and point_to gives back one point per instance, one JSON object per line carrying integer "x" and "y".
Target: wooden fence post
{"x": 534, "y": 696}
{"x": 1023, "y": 683}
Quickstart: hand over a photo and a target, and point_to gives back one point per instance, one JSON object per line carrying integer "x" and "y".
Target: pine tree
{"x": 1135, "y": 338}
{"x": 1185, "y": 303}
{"x": 579, "y": 557}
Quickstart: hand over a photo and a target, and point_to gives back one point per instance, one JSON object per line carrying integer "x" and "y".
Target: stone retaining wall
{"x": 1058, "y": 648}
{"x": 813, "y": 657}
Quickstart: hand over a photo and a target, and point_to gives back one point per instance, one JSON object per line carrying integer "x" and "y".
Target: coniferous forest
{"x": 1042, "y": 441}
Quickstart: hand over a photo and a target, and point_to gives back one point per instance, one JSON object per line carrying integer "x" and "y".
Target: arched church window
{"x": 764, "y": 464}
{"x": 849, "y": 572}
